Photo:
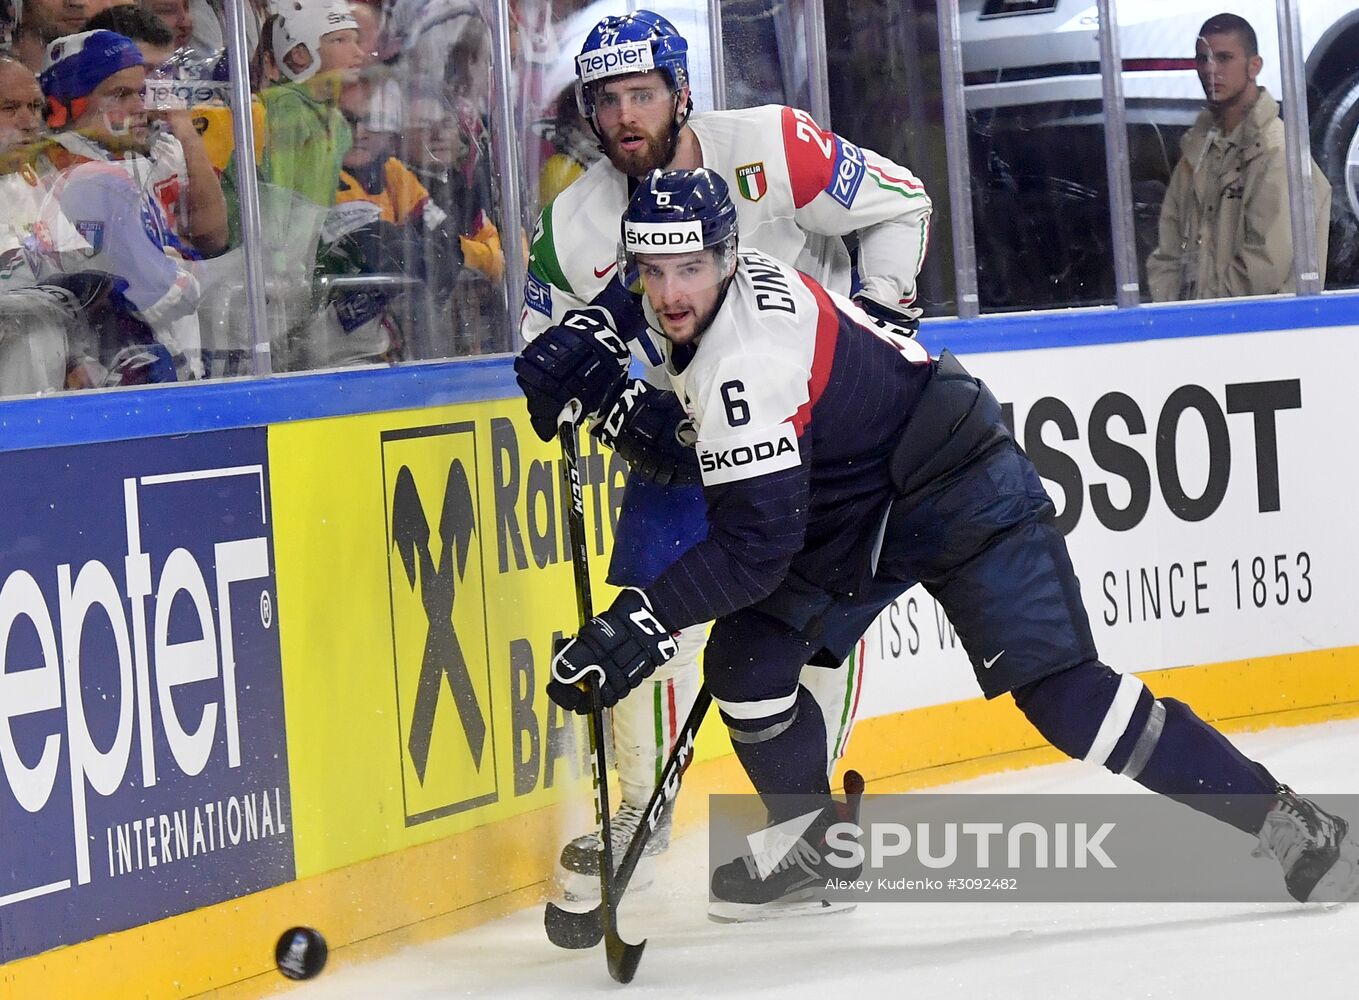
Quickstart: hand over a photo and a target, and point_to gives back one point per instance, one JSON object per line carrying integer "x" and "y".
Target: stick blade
{"x": 573, "y": 929}
{"x": 624, "y": 958}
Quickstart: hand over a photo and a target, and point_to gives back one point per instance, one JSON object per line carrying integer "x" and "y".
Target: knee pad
{"x": 1093, "y": 713}
{"x": 760, "y": 721}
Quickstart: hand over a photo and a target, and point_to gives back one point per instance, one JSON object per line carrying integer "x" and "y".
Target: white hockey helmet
{"x": 304, "y": 23}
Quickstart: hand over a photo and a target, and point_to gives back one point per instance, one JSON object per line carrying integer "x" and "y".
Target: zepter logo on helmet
{"x": 304, "y": 23}
{"x": 679, "y": 235}
{"x": 632, "y": 43}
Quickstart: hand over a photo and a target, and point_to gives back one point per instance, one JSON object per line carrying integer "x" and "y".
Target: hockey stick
{"x": 573, "y": 929}
{"x": 622, "y": 956}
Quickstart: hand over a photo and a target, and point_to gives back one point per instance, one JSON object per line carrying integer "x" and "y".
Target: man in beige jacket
{"x": 1224, "y": 228}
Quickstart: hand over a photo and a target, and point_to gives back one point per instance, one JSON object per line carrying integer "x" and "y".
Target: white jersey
{"x": 762, "y": 365}
{"x": 164, "y": 174}
{"x": 797, "y": 189}
{"x": 799, "y": 401}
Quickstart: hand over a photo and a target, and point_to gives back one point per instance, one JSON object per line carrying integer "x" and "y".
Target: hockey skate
{"x": 1318, "y": 852}
{"x": 791, "y": 884}
{"x": 578, "y": 866}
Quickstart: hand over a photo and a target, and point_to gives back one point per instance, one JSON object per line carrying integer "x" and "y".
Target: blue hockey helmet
{"x": 630, "y": 43}
{"x": 679, "y": 211}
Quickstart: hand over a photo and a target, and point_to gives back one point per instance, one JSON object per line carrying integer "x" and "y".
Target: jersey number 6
{"x": 738, "y": 411}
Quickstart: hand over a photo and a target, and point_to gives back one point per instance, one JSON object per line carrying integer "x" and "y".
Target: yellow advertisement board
{"x": 423, "y": 571}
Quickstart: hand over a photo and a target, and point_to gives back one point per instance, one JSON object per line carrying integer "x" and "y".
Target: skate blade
{"x": 722, "y": 912}
{"x": 578, "y": 888}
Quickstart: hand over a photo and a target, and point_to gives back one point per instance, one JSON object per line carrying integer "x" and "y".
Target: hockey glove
{"x": 649, "y": 428}
{"x": 888, "y": 319}
{"x": 624, "y": 306}
{"x": 620, "y": 648}
{"x": 582, "y": 359}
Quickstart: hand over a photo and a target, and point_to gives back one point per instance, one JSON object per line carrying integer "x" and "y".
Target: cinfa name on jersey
{"x": 614, "y": 60}
{"x": 663, "y": 237}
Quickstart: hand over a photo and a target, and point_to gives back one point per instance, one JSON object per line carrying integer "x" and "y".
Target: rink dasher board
{"x": 1075, "y": 359}
{"x": 1203, "y": 488}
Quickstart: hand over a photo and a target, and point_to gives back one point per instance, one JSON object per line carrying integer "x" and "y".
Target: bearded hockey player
{"x": 840, "y": 461}
{"x": 801, "y": 189}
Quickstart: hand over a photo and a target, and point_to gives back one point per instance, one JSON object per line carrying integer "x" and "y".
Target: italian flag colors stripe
{"x": 663, "y": 709}
{"x": 854, "y": 679}
{"x": 901, "y": 185}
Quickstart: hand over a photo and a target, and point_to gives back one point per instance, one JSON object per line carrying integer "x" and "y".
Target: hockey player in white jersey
{"x": 801, "y": 188}
{"x": 840, "y": 463}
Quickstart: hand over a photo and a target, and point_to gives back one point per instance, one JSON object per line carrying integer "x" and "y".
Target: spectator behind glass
{"x": 574, "y": 146}
{"x": 34, "y": 316}
{"x": 100, "y": 179}
{"x": 184, "y": 180}
{"x": 445, "y": 148}
{"x": 308, "y": 60}
{"x": 152, "y": 35}
{"x": 383, "y": 224}
{"x": 1225, "y": 229}
{"x": 310, "y": 54}
{"x": 41, "y": 23}
{"x": 442, "y": 57}
{"x": 176, "y": 17}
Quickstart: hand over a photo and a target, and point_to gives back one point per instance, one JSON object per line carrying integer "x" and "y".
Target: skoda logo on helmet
{"x": 663, "y": 237}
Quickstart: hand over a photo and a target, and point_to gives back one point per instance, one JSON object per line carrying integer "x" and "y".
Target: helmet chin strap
{"x": 677, "y": 122}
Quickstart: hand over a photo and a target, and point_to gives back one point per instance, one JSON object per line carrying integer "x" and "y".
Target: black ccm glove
{"x": 649, "y": 428}
{"x": 581, "y": 359}
{"x": 621, "y": 647}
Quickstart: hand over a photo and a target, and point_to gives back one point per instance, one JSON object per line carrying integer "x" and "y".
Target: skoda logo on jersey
{"x": 663, "y": 237}
{"x": 614, "y": 60}
{"x": 738, "y": 457}
{"x": 443, "y": 675}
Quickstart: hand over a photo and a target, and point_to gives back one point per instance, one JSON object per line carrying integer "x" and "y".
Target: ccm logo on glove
{"x": 618, "y": 648}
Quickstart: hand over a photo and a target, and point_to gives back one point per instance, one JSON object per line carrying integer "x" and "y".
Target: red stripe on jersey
{"x": 858, "y": 689}
{"x": 673, "y": 729}
{"x": 906, "y": 182}
{"x": 810, "y": 152}
{"x": 827, "y": 331}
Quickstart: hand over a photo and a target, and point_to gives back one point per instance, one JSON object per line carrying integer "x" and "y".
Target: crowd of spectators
{"x": 121, "y": 242}
{"x": 121, "y": 258}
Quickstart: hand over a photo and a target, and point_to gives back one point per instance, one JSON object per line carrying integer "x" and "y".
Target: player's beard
{"x": 655, "y": 153}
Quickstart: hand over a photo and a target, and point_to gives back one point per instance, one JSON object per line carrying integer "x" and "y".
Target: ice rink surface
{"x": 926, "y": 950}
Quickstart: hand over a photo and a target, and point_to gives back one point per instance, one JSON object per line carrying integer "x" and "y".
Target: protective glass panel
{"x": 114, "y": 226}
{"x": 765, "y": 53}
{"x": 1036, "y": 142}
{"x": 1207, "y": 150}
{"x": 883, "y": 74}
{"x": 379, "y": 193}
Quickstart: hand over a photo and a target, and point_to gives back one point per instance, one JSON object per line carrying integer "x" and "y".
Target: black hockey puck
{"x": 301, "y": 953}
